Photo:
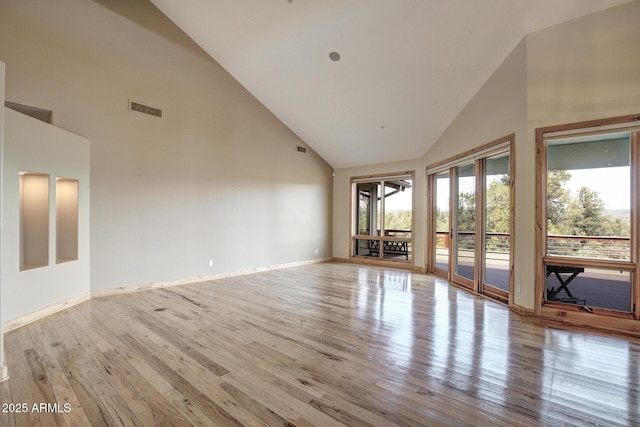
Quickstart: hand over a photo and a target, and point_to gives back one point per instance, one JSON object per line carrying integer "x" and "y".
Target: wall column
{"x": 4, "y": 374}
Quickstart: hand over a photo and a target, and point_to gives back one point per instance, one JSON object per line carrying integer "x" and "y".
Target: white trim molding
{"x": 12, "y": 324}
{"x": 55, "y": 308}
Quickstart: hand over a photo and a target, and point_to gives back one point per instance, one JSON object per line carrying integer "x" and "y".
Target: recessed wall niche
{"x": 66, "y": 219}
{"x": 35, "y": 146}
{"x": 34, "y": 220}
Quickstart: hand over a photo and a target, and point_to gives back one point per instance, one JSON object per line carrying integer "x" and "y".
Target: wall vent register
{"x": 144, "y": 109}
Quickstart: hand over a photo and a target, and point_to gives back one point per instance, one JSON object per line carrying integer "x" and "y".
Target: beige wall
{"x": 217, "y": 178}
{"x": 497, "y": 110}
{"x": 585, "y": 69}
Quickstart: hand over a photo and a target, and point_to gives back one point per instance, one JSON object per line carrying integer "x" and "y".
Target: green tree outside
{"x": 567, "y": 215}
{"x": 582, "y": 215}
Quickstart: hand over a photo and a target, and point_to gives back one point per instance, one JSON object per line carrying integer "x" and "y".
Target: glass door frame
{"x": 479, "y": 156}
{"x": 380, "y": 238}
{"x": 470, "y": 283}
{"x": 432, "y": 190}
{"x": 487, "y": 288}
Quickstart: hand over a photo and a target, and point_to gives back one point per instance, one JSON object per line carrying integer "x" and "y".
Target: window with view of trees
{"x": 384, "y": 218}
{"x": 471, "y": 219}
{"x": 464, "y": 224}
{"x": 497, "y": 217}
{"x": 588, "y": 196}
{"x": 442, "y": 238}
{"x": 587, "y": 255}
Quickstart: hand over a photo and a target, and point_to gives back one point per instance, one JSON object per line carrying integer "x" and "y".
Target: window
{"x": 442, "y": 236}
{"x": 589, "y": 196}
{"x": 383, "y": 218}
{"x": 587, "y": 259}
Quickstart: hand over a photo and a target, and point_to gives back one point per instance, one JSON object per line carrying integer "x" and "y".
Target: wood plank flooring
{"x": 320, "y": 345}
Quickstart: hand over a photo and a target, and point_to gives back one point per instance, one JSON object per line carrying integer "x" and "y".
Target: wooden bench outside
{"x": 557, "y": 270}
{"x": 393, "y": 247}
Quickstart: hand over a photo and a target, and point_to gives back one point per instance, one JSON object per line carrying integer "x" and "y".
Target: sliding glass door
{"x": 497, "y": 225}
{"x": 464, "y": 230}
{"x": 471, "y": 231}
{"x": 442, "y": 235}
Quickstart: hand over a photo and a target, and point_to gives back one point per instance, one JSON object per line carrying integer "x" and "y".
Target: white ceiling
{"x": 407, "y": 67}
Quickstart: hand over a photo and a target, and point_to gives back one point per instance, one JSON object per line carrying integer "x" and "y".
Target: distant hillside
{"x": 623, "y": 214}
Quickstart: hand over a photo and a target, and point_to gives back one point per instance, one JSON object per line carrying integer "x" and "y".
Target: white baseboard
{"x": 4, "y": 373}
{"x": 169, "y": 283}
{"x": 145, "y": 287}
{"x": 44, "y": 312}
{"x": 52, "y": 309}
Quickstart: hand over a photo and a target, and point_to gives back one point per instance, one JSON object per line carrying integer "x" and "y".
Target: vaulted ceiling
{"x": 406, "y": 67}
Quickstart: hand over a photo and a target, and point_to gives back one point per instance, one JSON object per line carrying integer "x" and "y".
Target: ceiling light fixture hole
{"x": 334, "y": 56}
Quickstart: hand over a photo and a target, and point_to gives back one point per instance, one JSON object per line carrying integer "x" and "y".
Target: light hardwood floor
{"x": 325, "y": 344}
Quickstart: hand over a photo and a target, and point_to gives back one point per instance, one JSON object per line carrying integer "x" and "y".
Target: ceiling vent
{"x": 302, "y": 149}
{"x": 144, "y": 109}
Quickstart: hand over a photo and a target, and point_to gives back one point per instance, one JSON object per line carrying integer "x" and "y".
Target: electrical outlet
{"x": 316, "y": 252}
{"x": 518, "y": 288}
{"x": 210, "y": 263}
